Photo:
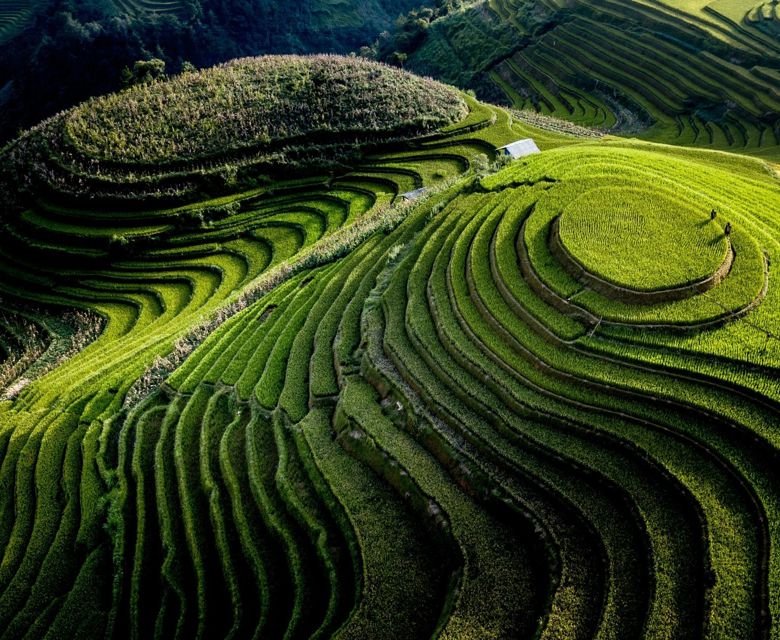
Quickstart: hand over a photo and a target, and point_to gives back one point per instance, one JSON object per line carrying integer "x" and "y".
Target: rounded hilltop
{"x": 642, "y": 239}
{"x": 258, "y": 102}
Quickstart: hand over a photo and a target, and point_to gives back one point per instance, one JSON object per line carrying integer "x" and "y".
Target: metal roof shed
{"x": 519, "y": 148}
{"x": 413, "y": 195}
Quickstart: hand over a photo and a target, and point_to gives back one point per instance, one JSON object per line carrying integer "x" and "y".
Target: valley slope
{"x": 693, "y": 73}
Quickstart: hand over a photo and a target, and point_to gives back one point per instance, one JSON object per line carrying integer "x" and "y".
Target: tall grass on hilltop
{"x": 251, "y": 102}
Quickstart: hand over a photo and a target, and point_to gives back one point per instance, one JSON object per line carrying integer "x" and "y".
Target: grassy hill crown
{"x": 252, "y": 102}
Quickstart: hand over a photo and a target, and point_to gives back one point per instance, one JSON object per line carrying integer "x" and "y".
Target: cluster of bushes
{"x": 408, "y": 32}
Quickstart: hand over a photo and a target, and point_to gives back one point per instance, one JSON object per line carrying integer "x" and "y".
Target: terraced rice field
{"x": 747, "y": 15}
{"x": 316, "y": 410}
{"x": 150, "y": 7}
{"x": 669, "y": 72}
{"x": 14, "y": 16}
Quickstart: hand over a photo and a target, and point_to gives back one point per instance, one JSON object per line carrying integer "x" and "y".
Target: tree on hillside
{"x": 144, "y": 72}
{"x": 399, "y": 58}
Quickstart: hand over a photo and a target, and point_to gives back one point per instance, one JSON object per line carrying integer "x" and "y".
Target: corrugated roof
{"x": 520, "y": 148}
{"x": 413, "y": 195}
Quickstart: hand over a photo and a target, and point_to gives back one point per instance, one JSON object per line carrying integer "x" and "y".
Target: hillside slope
{"x": 397, "y": 395}
{"x": 694, "y": 74}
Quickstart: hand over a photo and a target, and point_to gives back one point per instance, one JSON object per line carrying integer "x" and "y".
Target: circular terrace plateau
{"x": 640, "y": 245}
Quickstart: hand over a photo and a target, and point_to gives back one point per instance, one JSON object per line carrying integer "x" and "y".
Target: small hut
{"x": 413, "y": 195}
{"x": 518, "y": 149}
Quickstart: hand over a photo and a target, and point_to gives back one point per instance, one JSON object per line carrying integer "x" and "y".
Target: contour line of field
{"x": 554, "y": 299}
{"x": 625, "y": 294}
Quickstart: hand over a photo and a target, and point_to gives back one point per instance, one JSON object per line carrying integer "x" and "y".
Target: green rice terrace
{"x": 694, "y": 73}
{"x": 14, "y": 16}
{"x": 619, "y": 233}
{"x": 278, "y": 363}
